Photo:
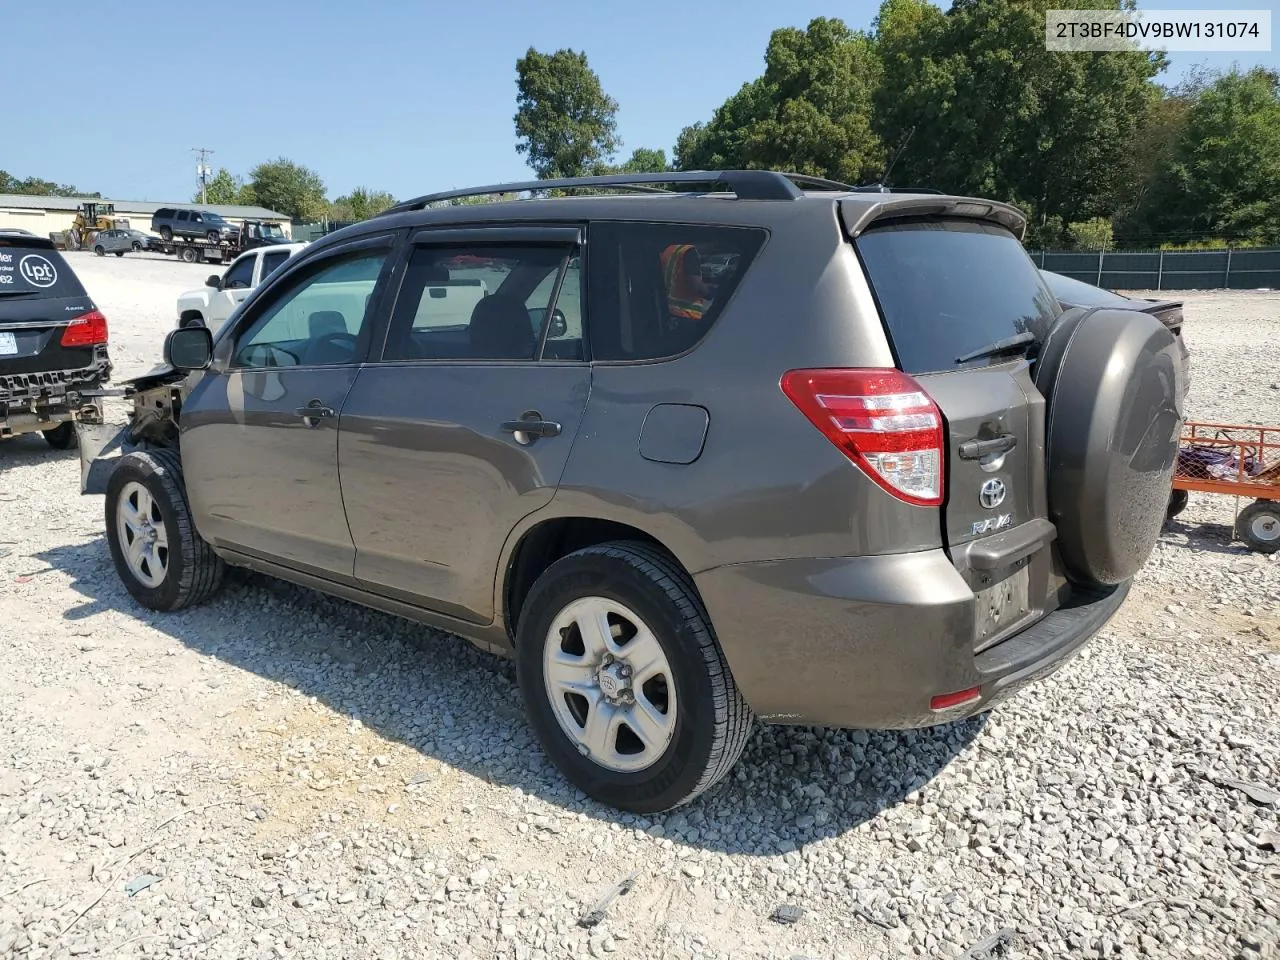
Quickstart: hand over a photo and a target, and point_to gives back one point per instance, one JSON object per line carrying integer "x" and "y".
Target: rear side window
{"x": 948, "y": 287}
{"x": 655, "y": 289}
{"x": 32, "y": 271}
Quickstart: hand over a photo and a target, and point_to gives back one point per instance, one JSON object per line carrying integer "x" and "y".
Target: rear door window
{"x": 34, "y": 271}
{"x": 949, "y": 287}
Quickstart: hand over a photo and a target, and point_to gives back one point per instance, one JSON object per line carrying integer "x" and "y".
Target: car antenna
{"x": 897, "y": 154}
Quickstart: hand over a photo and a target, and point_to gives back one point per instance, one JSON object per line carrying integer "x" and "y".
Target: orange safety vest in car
{"x": 683, "y": 291}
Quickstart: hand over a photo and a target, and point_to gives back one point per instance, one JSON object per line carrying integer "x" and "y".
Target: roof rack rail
{"x": 745, "y": 184}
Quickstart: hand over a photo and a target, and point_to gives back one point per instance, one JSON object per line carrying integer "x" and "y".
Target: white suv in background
{"x": 213, "y": 303}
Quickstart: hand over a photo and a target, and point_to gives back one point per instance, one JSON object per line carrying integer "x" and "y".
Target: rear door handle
{"x": 531, "y": 429}
{"x": 977, "y": 449}
{"x": 314, "y": 412}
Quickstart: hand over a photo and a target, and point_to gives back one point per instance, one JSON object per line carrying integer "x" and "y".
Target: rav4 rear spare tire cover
{"x": 1112, "y": 381}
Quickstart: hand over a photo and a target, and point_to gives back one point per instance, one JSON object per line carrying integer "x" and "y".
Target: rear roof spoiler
{"x": 859, "y": 213}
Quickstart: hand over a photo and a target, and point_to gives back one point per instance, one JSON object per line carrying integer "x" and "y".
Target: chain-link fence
{"x": 1243, "y": 269}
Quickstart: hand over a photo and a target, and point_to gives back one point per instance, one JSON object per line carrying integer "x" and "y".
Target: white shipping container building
{"x": 46, "y": 215}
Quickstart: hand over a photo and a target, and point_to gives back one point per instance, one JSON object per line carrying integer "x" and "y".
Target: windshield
{"x": 947, "y": 288}
{"x": 272, "y": 230}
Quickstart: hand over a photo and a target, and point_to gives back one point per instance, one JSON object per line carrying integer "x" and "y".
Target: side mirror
{"x": 189, "y": 348}
{"x": 559, "y": 325}
{"x": 213, "y": 281}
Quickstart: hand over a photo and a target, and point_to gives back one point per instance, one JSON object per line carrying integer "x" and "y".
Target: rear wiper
{"x": 1012, "y": 344}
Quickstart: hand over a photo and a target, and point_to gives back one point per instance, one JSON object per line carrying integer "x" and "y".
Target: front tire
{"x": 625, "y": 684}
{"x": 1259, "y": 525}
{"x": 61, "y": 437}
{"x": 100, "y": 250}
{"x": 161, "y": 559}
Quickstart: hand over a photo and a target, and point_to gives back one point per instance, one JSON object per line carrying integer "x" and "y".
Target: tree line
{"x": 968, "y": 101}
{"x": 288, "y": 187}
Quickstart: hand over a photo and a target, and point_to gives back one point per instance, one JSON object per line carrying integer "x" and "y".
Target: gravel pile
{"x": 279, "y": 774}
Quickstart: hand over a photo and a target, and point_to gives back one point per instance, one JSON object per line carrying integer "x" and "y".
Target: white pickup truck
{"x": 215, "y": 301}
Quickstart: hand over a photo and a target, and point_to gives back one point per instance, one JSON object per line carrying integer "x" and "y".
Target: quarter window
{"x": 656, "y": 289}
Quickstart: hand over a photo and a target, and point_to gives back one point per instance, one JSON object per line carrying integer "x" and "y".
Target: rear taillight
{"x": 87, "y": 330}
{"x": 882, "y": 420}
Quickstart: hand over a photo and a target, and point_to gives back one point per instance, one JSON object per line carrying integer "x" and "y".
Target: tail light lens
{"x": 87, "y": 330}
{"x": 880, "y": 419}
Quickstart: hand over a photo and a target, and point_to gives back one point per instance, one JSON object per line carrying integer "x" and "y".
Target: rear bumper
{"x": 869, "y": 641}
{"x": 47, "y": 406}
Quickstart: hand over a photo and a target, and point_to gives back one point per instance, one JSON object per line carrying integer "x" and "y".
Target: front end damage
{"x": 157, "y": 402}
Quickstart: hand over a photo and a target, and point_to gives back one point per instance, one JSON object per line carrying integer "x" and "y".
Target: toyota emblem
{"x": 992, "y": 493}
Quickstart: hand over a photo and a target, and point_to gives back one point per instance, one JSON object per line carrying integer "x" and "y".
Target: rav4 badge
{"x": 992, "y": 524}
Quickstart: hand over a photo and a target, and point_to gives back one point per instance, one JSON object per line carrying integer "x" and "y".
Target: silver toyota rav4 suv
{"x": 735, "y": 445}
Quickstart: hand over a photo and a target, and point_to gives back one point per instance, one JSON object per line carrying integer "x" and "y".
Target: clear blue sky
{"x": 404, "y": 96}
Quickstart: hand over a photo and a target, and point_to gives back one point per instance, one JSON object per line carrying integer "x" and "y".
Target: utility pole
{"x": 202, "y": 168}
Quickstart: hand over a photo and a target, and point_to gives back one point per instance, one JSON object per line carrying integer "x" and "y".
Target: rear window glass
{"x": 1081, "y": 294}
{"x": 28, "y": 270}
{"x": 948, "y": 287}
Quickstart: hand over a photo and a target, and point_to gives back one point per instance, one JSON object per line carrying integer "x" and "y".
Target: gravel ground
{"x": 280, "y": 774}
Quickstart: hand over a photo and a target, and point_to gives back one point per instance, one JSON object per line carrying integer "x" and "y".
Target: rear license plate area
{"x": 8, "y": 345}
{"x": 1001, "y": 600}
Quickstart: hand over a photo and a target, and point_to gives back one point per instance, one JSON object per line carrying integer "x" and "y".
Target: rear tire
{"x": 163, "y": 562}
{"x": 189, "y": 254}
{"x": 695, "y": 723}
{"x": 166, "y": 234}
{"x": 100, "y": 250}
{"x": 61, "y": 437}
{"x": 1259, "y": 526}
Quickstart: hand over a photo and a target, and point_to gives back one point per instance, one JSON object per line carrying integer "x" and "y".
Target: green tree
{"x": 1223, "y": 177}
{"x": 360, "y": 204}
{"x": 646, "y": 160}
{"x": 642, "y": 160}
{"x": 288, "y": 187}
{"x": 810, "y": 112}
{"x": 566, "y": 124}
{"x": 1092, "y": 234}
{"x": 36, "y": 187}
{"x": 993, "y": 114}
{"x": 223, "y": 187}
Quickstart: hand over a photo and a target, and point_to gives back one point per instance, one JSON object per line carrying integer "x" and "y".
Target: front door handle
{"x": 977, "y": 449}
{"x": 314, "y": 412}
{"x": 526, "y": 431}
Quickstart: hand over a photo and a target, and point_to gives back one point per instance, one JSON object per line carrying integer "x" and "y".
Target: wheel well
{"x": 548, "y": 542}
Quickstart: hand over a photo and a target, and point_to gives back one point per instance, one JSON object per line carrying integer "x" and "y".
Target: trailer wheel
{"x": 189, "y": 254}
{"x": 1259, "y": 526}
